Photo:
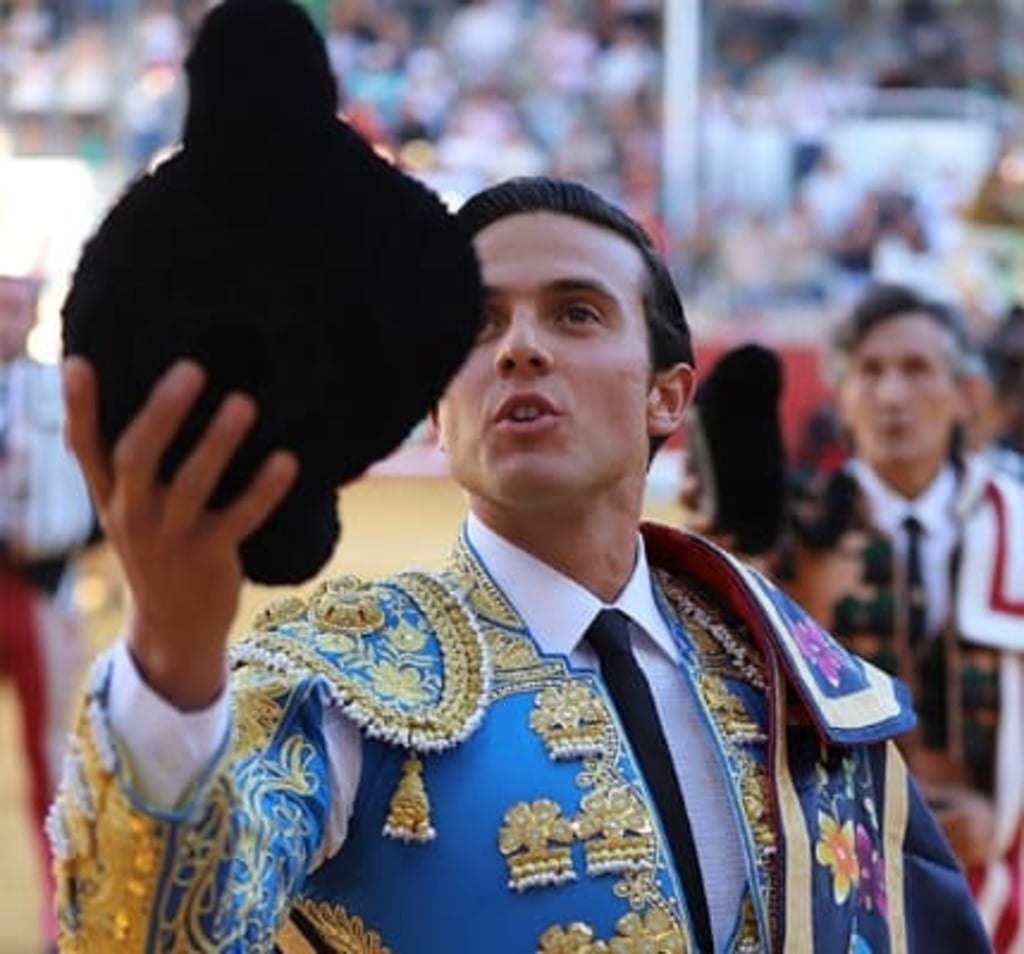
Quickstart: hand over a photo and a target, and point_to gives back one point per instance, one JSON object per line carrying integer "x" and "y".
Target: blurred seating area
{"x": 793, "y": 210}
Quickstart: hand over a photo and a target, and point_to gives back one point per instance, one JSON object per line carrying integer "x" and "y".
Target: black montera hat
{"x": 734, "y": 436}
{"x": 294, "y": 263}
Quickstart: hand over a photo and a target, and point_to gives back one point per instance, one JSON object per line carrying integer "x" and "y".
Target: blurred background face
{"x": 17, "y": 315}
{"x": 901, "y": 400}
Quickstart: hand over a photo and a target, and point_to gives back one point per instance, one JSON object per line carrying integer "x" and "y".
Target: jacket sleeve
{"x": 219, "y": 871}
{"x": 940, "y": 913}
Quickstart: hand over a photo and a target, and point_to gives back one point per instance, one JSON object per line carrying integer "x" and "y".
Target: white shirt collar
{"x": 933, "y": 507}
{"x": 556, "y": 609}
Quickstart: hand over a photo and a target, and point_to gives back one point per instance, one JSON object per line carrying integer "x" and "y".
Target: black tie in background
{"x": 631, "y": 693}
{"x": 915, "y": 582}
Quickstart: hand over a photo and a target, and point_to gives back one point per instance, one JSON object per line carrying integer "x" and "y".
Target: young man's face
{"x": 17, "y": 316}
{"x": 901, "y": 400}
{"x": 556, "y": 403}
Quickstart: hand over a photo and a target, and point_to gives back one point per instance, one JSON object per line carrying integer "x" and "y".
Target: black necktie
{"x": 631, "y": 693}
{"x": 915, "y": 582}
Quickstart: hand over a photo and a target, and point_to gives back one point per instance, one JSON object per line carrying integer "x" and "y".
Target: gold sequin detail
{"x": 279, "y": 611}
{"x": 346, "y": 605}
{"x": 114, "y": 865}
{"x": 534, "y": 840}
{"x": 257, "y": 710}
{"x": 748, "y": 936}
{"x": 409, "y": 814}
{"x": 556, "y": 716}
{"x": 616, "y": 829}
{"x": 577, "y": 938}
{"x": 341, "y": 931}
{"x": 404, "y": 683}
{"x": 656, "y": 932}
{"x": 729, "y": 711}
{"x": 390, "y": 686}
{"x": 481, "y": 594}
{"x": 511, "y": 652}
{"x": 722, "y": 658}
{"x": 571, "y": 719}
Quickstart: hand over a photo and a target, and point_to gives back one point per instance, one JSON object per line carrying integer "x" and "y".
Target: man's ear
{"x": 974, "y": 393}
{"x": 671, "y": 391}
{"x": 434, "y": 428}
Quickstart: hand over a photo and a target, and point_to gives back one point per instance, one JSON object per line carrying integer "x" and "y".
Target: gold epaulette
{"x": 403, "y": 656}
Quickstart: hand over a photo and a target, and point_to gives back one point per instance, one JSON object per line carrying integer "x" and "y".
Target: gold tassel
{"x": 409, "y": 815}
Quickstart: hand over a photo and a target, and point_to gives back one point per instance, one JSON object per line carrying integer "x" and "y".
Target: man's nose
{"x": 891, "y": 386}
{"x": 523, "y": 345}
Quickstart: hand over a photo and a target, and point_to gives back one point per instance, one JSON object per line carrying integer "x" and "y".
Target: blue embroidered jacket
{"x": 499, "y": 806}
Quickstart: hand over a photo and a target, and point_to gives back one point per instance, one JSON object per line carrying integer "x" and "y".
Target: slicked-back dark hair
{"x": 667, "y": 328}
{"x": 668, "y": 332}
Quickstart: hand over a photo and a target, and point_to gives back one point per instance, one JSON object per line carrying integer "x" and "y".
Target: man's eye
{"x": 489, "y": 326}
{"x": 580, "y": 314}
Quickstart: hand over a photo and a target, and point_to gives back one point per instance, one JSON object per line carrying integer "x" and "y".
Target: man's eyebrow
{"x": 563, "y": 286}
{"x": 590, "y": 285}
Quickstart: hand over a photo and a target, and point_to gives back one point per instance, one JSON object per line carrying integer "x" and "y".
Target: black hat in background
{"x": 283, "y": 254}
{"x": 734, "y": 442}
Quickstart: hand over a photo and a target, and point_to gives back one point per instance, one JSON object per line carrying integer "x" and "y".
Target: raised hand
{"x": 180, "y": 558}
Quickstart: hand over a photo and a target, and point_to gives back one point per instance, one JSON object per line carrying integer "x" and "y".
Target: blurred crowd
{"x": 464, "y": 93}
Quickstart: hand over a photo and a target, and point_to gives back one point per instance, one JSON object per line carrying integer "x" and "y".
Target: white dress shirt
{"x": 167, "y": 749}
{"x": 935, "y": 510}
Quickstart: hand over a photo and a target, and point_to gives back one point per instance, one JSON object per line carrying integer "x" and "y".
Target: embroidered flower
{"x": 872, "y": 873}
{"x": 577, "y": 938}
{"x": 836, "y": 850}
{"x": 612, "y": 812}
{"x": 401, "y": 682}
{"x": 533, "y": 826}
{"x": 817, "y": 647}
{"x": 657, "y": 933}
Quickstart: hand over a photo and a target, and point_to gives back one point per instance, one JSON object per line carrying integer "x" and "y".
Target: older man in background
{"x": 914, "y": 557}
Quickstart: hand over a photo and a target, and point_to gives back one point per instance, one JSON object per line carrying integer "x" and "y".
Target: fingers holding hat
{"x": 144, "y": 442}
{"x": 196, "y": 477}
{"x": 266, "y": 490}
{"x": 126, "y": 478}
{"x": 188, "y": 496}
{"x": 82, "y": 430}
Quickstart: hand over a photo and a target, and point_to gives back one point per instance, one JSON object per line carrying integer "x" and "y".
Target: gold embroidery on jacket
{"x": 654, "y": 933}
{"x": 482, "y": 596}
{"x": 576, "y": 938}
{"x": 250, "y": 898}
{"x": 723, "y": 655}
{"x": 257, "y": 709}
{"x": 748, "y": 937}
{"x": 571, "y": 719}
{"x": 560, "y": 698}
{"x": 409, "y": 813}
{"x": 390, "y": 686}
{"x": 344, "y": 933}
{"x": 114, "y": 866}
{"x": 534, "y": 840}
{"x": 616, "y": 830}
{"x": 346, "y": 605}
{"x": 278, "y": 611}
